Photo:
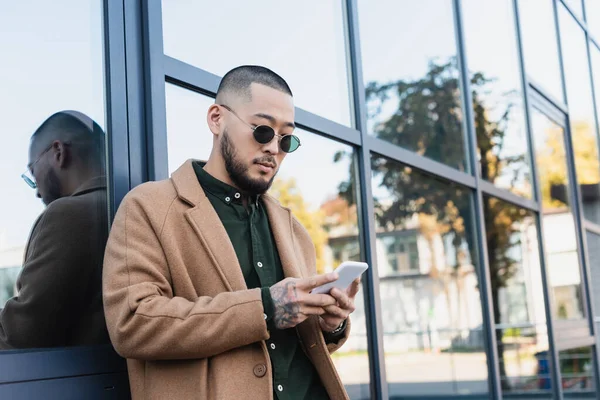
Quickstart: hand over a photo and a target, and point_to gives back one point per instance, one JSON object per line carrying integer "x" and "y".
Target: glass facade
{"x": 451, "y": 144}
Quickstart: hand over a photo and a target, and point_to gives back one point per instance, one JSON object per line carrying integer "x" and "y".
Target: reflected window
{"x": 498, "y": 110}
{"x": 581, "y": 114}
{"x": 304, "y": 42}
{"x": 592, "y": 17}
{"x": 593, "y": 248}
{"x": 560, "y": 240}
{"x": 432, "y": 316}
{"x": 54, "y": 223}
{"x": 540, "y": 45}
{"x": 412, "y": 81}
{"x": 518, "y": 298}
{"x": 577, "y": 372}
{"x": 324, "y": 204}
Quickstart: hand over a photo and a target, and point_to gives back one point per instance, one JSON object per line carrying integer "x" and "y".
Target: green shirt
{"x": 294, "y": 376}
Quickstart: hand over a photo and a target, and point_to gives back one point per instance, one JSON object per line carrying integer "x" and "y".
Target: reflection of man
{"x": 59, "y": 300}
{"x": 207, "y": 279}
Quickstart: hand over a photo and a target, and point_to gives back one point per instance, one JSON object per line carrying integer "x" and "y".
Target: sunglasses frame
{"x": 255, "y": 128}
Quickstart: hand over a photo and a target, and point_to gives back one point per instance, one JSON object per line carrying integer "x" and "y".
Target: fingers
{"x": 354, "y": 288}
{"x": 337, "y": 312}
{"x": 342, "y": 298}
{"x": 319, "y": 300}
{"x": 308, "y": 311}
{"x": 317, "y": 280}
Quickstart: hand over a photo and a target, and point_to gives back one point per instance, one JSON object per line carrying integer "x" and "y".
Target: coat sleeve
{"x": 53, "y": 282}
{"x": 144, "y": 318}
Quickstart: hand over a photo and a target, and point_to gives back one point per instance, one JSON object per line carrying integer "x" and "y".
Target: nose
{"x": 37, "y": 194}
{"x": 273, "y": 146}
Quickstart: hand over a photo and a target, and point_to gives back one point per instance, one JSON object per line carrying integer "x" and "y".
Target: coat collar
{"x": 212, "y": 234}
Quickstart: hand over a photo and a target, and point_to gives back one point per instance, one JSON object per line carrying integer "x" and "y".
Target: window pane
{"x": 323, "y": 203}
{"x": 575, "y": 6}
{"x": 412, "y": 82}
{"x": 560, "y": 241}
{"x": 540, "y": 45}
{"x": 593, "y": 247}
{"x": 577, "y": 372}
{"x": 592, "y": 16}
{"x": 581, "y": 113}
{"x": 433, "y": 327}
{"x": 51, "y": 251}
{"x": 493, "y": 63}
{"x": 518, "y": 298}
{"x": 304, "y": 42}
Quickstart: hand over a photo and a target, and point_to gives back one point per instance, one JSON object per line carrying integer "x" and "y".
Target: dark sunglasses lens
{"x": 263, "y": 134}
{"x": 290, "y": 143}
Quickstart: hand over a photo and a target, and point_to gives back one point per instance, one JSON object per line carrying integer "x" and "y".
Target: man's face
{"x": 252, "y": 166}
{"x": 46, "y": 178}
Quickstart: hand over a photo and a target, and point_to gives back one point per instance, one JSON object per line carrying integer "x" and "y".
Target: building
{"x": 452, "y": 144}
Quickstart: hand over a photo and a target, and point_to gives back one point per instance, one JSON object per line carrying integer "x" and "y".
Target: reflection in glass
{"x": 581, "y": 113}
{"x": 560, "y": 241}
{"x": 412, "y": 84}
{"x": 303, "y": 41}
{"x": 493, "y": 62}
{"x": 592, "y": 17}
{"x": 323, "y": 203}
{"x": 51, "y": 257}
{"x": 593, "y": 250}
{"x": 577, "y": 371}
{"x": 518, "y": 297}
{"x": 431, "y": 312}
{"x": 576, "y": 7}
{"x": 540, "y": 45}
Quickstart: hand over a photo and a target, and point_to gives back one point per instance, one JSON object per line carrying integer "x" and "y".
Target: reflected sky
{"x": 52, "y": 60}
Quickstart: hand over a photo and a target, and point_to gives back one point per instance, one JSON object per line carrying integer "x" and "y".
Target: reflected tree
{"x": 426, "y": 118}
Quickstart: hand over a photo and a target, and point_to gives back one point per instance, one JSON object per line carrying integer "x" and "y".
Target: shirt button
{"x": 273, "y": 346}
{"x": 280, "y": 388}
{"x": 259, "y": 264}
{"x": 227, "y": 199}
{"x": 265, "y": 316}
{"x": 237, "y": 195}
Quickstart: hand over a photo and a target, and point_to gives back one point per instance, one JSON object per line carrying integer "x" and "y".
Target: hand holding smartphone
{"x": 347, "y": 272}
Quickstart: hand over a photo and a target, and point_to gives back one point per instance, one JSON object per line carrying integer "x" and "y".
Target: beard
{"x": 53, "y": 187}
{"x": 238, "y": 172}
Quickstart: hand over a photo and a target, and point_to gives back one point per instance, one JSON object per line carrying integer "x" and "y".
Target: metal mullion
{"x": 156, "y": 119}
{"x": 379, "y": 384}
{"x": 412, "y": 159}
{"x": 579, "y": 20}
{"x": 490, "y": 189}
{"x": 198, "y": 80}
{"x": 484, "y": 280}
{"x": 542, "y": 92}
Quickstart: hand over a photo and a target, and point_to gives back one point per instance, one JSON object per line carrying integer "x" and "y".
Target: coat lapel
{"x": 280, "y": 219}
{"x": 208, "y": 227}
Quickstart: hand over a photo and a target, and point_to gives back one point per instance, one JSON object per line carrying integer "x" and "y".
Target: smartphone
{"x": 347, "y": 271}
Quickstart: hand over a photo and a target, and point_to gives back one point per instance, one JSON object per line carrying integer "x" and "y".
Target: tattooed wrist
{"x": 285, "y": 299}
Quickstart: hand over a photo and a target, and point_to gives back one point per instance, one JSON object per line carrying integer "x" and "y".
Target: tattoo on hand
{"x": 286, "y": 308}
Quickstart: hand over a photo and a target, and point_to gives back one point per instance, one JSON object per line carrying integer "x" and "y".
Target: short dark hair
{"x": 239, "y": 79}
{"x": 86, "y": 136}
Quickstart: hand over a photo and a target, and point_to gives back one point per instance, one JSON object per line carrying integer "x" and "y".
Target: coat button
{"x": 260, "y": 370}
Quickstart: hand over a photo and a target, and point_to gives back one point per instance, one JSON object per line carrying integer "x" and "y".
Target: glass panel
{"x": 412, "y": 83}
{"x": 323, "y": 203}
{"x": 433, "y": 327}
{"x": 593, "y": 248}
{"x": 303, "y": 41}
{"x": 51, "y": 251}
{"x": 576, "y": 6}
{"x": 540, "y": 45}
{"x": 560, "y": 240}
{"x": 518, "y": 298}
{"x": 581, "y": 114}
{"x": 577, "y": 372}
{"x": 592, "y": 16}
{"x": 493, "y": 63}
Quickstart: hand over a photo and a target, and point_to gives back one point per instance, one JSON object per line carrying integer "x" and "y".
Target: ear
{"x": 214, "y": 118}
{"x": 60, "y": 154}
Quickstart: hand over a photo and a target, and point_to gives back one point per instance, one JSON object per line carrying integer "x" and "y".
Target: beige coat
{"x": 176, "y": 303}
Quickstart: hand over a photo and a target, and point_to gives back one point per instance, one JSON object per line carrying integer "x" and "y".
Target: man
{"x": 207, "y": 279}
{"x": 59, "y": 300}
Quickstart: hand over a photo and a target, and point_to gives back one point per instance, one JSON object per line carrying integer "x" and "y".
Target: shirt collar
{"x": 223, "y": 191}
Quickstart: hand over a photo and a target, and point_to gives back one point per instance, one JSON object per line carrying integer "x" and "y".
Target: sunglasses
{"x": 263, "y": 134}
{"x": 28, "y": 175}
